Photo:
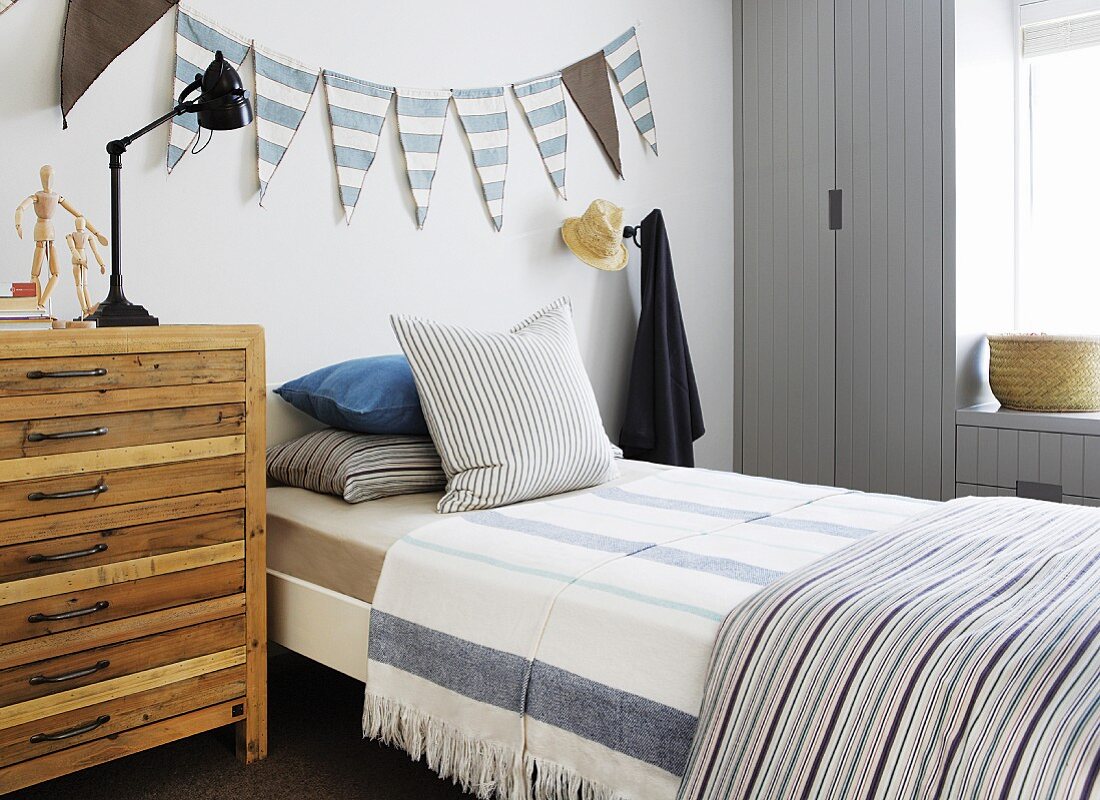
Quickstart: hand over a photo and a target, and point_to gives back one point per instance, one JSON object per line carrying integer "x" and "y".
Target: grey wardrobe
{"x": 844, "y": 359}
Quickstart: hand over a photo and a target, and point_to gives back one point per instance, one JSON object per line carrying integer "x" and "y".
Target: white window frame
{"x": 1031, "y": 12}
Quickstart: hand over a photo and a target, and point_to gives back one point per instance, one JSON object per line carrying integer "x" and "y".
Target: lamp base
{"x": 121, "y": 314}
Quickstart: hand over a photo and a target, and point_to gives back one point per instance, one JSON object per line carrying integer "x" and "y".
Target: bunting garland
{"x": 544, "y": 105}
{"x": 357, "y": 108}
{"x": 624, "y": 56}
{"x": 485, "y": 120}
{"x": 590, "y": 89}
{"x": 197, "y": 39}
{"x": 357, "y": 111}
{"x": 96, "y": 33}
{"x": 284, "y": 89}
{"x": 421, "y": 117}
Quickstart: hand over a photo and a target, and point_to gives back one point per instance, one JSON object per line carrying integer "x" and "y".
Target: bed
{"x": 565, "y": 648}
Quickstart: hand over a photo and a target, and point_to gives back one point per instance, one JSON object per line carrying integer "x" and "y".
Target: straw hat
{"x": 596, "y": 238}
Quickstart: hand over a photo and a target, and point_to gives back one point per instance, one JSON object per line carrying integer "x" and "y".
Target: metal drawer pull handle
{"x": 39, "y": 558}
{"x": 37, "y": 374}
{"x": 41, "y": 437}
{"x": 80, "y": 612}
{"x": 99, "y": 488}
{"x": 99, "y": 666}
{"x": 79, "y": 730}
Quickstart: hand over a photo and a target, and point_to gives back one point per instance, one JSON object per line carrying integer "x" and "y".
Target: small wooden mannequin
{"x": 45, "y": 204}
{"x": 77, "y": 240}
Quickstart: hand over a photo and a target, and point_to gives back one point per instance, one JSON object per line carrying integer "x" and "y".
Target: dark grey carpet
{"x": 315, "y": 751}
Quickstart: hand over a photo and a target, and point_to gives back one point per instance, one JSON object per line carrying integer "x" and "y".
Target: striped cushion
{"x": 512, "y": 414}
{"x": 357, "y": 466}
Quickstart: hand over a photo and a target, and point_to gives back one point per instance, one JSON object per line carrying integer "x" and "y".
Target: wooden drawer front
{"x": 141, "y": 699}
{"x": 51, "y": 436}
{"x": 35, "y": 559}
{"x": 106, "y": 401}
{"x": 65, "y": 673}
{"x": 28, "y": 376}
{"x": 122, "y": 486}
{"x": 119, "y": 600}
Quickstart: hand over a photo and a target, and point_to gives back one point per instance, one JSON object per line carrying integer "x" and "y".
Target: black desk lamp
{"x": 222, "y": 106}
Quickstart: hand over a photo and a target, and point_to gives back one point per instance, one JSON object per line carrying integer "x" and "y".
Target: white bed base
{"x": 318, "y": 623}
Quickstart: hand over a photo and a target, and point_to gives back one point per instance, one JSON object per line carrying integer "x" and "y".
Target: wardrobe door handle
{"x": 99, "y": 666}
{"x": 41, "y": 437}
{"x": 80, "y": 612}
{"x": 99, "y": 488}
{"x": 99, "y": 722}
{"x": 39, "y": 558}
{"x": 37, "y": 374}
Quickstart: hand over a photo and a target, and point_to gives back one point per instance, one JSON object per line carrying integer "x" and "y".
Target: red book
{"x": 23, "y": 290}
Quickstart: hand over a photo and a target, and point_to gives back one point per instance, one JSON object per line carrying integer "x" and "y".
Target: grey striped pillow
{"x": 513, "y": 415}
{"x": 357, "y": 466}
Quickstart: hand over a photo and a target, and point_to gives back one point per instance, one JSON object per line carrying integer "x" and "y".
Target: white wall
{"x": 986, "y": 42}
{"x": 199, "y": 249}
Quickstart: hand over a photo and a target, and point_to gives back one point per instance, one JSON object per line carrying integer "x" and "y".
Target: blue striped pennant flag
{"x": 197, "y": 38}
{"x": 356, "y": 110}
{"x": 421, "y": 117}
{"x": 624, "y": 56}
{"x": 544, "y": 104}
{"x": 284, "y": 89}
{"x": 485, "y": 120}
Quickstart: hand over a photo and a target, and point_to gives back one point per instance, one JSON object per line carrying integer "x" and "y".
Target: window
{"x": 1058, "y": 278}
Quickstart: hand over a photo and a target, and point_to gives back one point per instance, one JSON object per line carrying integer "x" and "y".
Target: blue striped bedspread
{"x": 957, "y": 657}
{"x": 558, "y": 649}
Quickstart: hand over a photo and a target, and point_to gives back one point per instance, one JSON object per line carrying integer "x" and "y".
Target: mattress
{"x": 323, "y": 540}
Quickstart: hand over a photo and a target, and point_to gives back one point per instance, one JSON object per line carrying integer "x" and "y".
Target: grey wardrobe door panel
{"x": 785, "y": 258}
{"x": 890, "y": 254}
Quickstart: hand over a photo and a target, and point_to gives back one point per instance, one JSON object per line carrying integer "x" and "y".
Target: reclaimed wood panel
{"x": 103, "y": 371}
{"x": 61, "y": 643}
{"x": 34, "y": 559}
{"x": 125, "y": 429}
{"x": 125, "y": 658}
{"x": 124, "y": 600}
{"x": 27, "y": 773}
{"x": 110, "y": 519}
{"x": 125, "y": 712}
{"x": 124, "y": 486}
{"x": 119, "y": 572}
{"x": 79, "y": 403}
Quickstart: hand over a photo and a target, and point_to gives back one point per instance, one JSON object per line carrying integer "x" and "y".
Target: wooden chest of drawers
{"x": 132, "y": 608}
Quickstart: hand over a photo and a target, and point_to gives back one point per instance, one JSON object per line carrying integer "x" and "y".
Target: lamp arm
{"x": 183, "y": 106}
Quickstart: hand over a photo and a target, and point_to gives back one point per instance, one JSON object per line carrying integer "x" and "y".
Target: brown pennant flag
{"x": 96, "y": 33}
{"x": 590, "y": 88}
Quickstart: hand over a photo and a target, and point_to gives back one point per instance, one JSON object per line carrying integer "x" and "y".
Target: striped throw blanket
{"x": 957, "y": 657}
{"x": 558, "y": 649}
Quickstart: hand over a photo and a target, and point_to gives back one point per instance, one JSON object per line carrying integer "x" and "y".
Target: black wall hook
{"x": 633, "y": 232}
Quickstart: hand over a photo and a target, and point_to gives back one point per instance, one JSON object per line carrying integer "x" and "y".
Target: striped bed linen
{"x": 956, "y": 658}
{"x": 558, "y": 649}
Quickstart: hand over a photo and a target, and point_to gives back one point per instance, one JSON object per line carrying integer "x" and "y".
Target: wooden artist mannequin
{"x": 45, "y": 204}
{"x": 77, "y": 240}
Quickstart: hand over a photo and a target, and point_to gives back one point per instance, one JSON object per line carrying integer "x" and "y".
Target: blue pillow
{"x": 368, "y": 395}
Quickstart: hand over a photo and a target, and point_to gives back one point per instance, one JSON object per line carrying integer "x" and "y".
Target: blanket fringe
{"x": 487, "y": 770}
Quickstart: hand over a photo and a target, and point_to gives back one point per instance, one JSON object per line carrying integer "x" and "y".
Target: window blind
{"x": 1060, "y": 35}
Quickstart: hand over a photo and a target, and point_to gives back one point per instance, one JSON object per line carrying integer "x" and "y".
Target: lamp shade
{"x": 223, "y": 104}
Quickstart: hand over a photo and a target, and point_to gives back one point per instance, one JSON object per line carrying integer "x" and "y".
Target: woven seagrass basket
{"x": 1045, "y": 373}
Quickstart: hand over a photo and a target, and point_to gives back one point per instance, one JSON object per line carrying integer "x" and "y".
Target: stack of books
{"x": 19, "y": 311}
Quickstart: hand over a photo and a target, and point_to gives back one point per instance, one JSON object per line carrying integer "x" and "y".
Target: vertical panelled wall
{"x": 785, "y": 269}
{"x": 891, "y": 290}
{"x": 846, "y": 358}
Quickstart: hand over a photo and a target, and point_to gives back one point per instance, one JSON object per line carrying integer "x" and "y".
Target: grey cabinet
{"x": 844, "y": 360}
{"x": 1047, "y": 456}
